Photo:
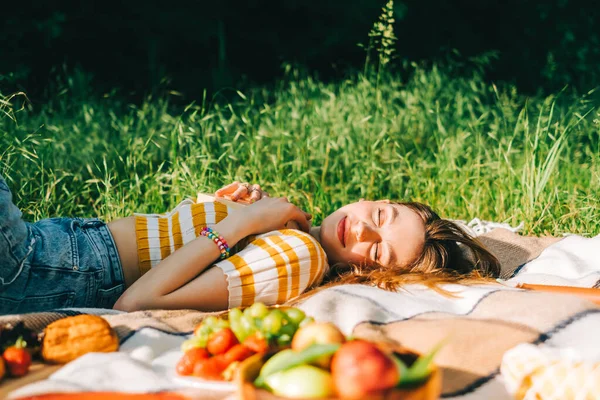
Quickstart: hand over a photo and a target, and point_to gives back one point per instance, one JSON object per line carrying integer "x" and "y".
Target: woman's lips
{"x": 341, "y": 231}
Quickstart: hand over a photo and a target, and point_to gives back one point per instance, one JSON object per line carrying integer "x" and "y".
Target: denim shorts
{"x": 56, "y": 262}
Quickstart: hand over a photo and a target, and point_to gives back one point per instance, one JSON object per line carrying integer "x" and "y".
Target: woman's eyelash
{"x": 378, "y": 223}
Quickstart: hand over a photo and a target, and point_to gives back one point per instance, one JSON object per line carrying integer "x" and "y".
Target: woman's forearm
{"x": 179, "y": 268}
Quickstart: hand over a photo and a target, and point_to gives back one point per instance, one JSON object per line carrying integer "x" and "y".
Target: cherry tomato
{"x": 17, "y": 360}
{"x": 239, "y": 352}
{"x": 221, "y": 341}
{"x": 208, "y": 369}
{"x": 221, "y": 361}
{"x": 185, "y": 366}
{"x": 256, "y": 343}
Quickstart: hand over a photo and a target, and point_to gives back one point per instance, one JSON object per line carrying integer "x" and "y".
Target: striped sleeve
{"x": 274, "y": 267}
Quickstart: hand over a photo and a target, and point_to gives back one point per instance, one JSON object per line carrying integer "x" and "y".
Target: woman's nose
{"x": 364, "y": 232}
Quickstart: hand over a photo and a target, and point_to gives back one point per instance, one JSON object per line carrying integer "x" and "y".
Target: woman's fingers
{"x": 300, "y": 217}
{"x": 227, "y": 190}
{"x": 240, "y": 192}
{"x": 237, "y": 191}
{"x": 256, "y": 194}
{"x": 274, "y": 213}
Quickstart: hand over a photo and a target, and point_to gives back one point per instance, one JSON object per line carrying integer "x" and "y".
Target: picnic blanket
{"x": 481, "y": 324}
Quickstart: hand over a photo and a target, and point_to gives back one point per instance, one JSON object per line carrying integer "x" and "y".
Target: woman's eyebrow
{"x": 394, "y": 214}
{"x": 391, "y": 255}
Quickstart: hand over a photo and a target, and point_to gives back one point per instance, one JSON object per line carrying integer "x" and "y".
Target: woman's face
{"x": 373, "y": 232}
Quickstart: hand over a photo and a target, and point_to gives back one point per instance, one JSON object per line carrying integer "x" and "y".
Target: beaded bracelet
{"x": 218, "y": 239}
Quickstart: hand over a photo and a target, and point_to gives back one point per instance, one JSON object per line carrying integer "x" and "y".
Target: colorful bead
{"x": 218, "y": 239}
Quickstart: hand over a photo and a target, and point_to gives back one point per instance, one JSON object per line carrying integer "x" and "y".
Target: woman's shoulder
{"x": 301, "y": 243}
{"x": 274, "y": 267}
{"x": 289, "y": 233}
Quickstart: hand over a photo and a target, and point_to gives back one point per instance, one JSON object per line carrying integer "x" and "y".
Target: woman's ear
{"x": 386, "y": 201}
{"x": 361, "y": 200}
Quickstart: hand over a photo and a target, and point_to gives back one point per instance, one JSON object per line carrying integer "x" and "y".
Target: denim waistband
{"x": 113, "y": 255}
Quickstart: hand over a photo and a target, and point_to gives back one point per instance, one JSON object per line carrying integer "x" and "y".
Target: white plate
{"x": 199, "y": 383}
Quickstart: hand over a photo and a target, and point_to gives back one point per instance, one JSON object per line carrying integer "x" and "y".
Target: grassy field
{"x": 462, "y": 145}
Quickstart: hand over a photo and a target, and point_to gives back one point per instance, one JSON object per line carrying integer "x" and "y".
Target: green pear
{"x": 303, "y": 381}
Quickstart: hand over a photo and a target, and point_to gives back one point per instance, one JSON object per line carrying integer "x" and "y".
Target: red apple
{"x": 360, "y": 367}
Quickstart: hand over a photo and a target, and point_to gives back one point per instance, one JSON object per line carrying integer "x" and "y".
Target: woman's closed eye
{"x": 376, "y": 251}
{"x": 377, "y": 219}
{"x": 377, "y": 245}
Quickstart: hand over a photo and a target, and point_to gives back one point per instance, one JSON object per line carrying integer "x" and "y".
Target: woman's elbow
{"x": 128, "y": 303}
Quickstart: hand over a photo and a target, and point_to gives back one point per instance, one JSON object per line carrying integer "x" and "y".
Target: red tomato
{"x": 239, "y": 352}
{"x": 185, "y": 366}
{"x": 221, "y": 341}
{"x": 256, "y": 343}
{"x": 208, "y": 369}
{"x": 17, "y": 360}
{"x": 221, "y": 361}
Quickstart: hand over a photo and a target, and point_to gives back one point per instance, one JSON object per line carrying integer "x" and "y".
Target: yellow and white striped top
{"x": 271, "y": 268}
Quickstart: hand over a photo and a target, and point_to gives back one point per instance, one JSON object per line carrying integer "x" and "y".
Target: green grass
{"x": 462, "y": 145}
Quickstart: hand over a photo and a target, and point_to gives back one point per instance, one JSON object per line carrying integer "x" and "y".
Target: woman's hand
{"x": 241, "y": 192}
{"x": 270, "y": 214}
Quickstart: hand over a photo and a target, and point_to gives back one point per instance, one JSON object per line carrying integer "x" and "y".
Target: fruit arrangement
{"x": 281, "y": 352}
{"x": 220, "y": 344}
{"x": 321, "y": 363}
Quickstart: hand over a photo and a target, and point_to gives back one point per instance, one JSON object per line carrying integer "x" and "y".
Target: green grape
{"x": 210, "y": 321}
{"x": 273, "y": 322}
{"x": 235, "y": 314}
{"x": 284, "y": 340}
{"x": 193, "y": 342}
{"x": 258, "y": 310}
{"x": 248, "y": 324}
{"x": 295, "y": 315}
{"x": 306, "y": 321}
{"x": 288, "y": 329}
{"x": 204, "y": 330}
{"x": 238, "y": 329}
{"x": 221, "y": 324}
{"x": 248, "y": 312}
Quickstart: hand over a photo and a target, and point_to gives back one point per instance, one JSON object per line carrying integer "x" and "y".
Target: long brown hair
{"x": 449, "y": 255}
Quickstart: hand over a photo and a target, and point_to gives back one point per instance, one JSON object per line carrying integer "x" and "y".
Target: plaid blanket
{"x": 481, "y": 323}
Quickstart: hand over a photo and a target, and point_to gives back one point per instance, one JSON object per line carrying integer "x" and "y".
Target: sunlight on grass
{"x": 466, "y": 147}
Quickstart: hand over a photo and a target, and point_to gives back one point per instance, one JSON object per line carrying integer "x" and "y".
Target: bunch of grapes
{"x": 275, "y": 325}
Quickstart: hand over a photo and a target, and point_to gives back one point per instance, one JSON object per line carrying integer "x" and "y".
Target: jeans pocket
{"x": 91, "y": 257}
{"x": 108, "y": 297}
{"x": 37, "y": 303}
